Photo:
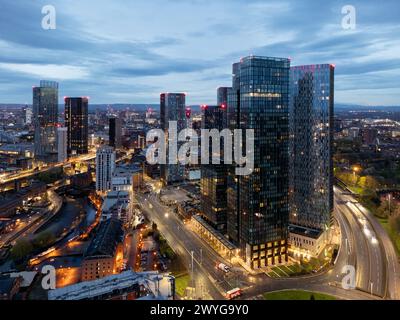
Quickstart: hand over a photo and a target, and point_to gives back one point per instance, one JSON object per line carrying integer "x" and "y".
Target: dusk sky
{"x": 130, "y": 51}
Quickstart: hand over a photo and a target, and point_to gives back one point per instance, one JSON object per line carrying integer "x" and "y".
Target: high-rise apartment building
{"x": 62, "y": 142}
{"x": 311, "y": 140}
{"x": 28, "y": 115}
{"x": 76, "y": 120}
{"x": 213, "y": 181}
{"x": 115, "y": 132}
{"x": 45, "y": 120}
{"x": 172, "y": 108}
{"x": 222, "y": 95}
{"x": 258, "y": 207}
{"x": 105, "y": 165}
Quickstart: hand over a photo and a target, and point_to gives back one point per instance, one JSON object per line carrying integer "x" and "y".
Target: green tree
{"x": 368, "y": 182}
{"x": 387, "y": 209}
{"x": 394, "y": 222}
{"x": 44, "y": 239}
{"x": 21, "y": 249}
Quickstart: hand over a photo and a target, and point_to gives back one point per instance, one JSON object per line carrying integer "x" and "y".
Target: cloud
{"x": 118, "y": 51}
{"x": 48, "y": 71}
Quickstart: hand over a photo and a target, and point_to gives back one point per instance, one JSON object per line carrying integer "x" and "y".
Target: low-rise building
{"x": 104, "y": 252}
{"x": 306, "y": 242}
{"x": 127, "y": 285}
{"x": 117, "y": 204}
{"x": 127, "y": 178}
{"x": 10, "y": 203}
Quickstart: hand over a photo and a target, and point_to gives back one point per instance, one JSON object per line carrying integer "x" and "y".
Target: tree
{"x": 394, "y": 222}
{"x": 368, "y": 182}
{"x": 21, "y": 249}
{"x": 387, "y": 209}
{"x": 51, "y": 176}
{"x": 312, "y": 297}
{"x": 44, "y": 239}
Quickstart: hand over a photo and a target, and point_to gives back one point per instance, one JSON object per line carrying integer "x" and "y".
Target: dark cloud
{"x": 123, "y": 60}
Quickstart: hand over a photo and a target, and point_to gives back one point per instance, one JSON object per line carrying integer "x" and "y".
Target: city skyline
{"x": 204, "y": 150}
{"x": 133, "y": 59}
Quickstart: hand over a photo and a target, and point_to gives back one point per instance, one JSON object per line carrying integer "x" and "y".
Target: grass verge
{"x": 296, "y": 295}
{"x": 393, "y": 235}
{"x": 181, "y": 283}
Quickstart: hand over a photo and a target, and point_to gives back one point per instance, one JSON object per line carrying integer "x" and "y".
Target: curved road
{"x": 373, "y": 274}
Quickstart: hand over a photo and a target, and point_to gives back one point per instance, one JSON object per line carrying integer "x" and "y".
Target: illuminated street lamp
{"x": 356, "y": 169}
{"x": 389, "y": 199}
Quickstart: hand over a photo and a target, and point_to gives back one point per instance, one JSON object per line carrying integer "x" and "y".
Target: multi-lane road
{"x": 375, "y": 259}
{"x": 209, "y": 281}
{"x": 365, "y": 246}
{"x": 29, "y": 226}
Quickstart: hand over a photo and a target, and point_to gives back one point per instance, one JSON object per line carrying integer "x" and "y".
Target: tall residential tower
{"x": 45, "y": 120}
{"x": 76, "y": 120}
{"x": 105, "y": 165}
{"x": 172, "y": 108}
{"x": 258, "y": 208}
{"x": 213, "y": 181}
{"x": 114, "y": 132}
{"x": 311, "y": 139}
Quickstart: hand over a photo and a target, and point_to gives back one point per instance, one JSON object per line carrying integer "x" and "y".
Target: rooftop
{"x": 304, "y": 231}
{"x": 115, "y": 283}
{"x": 105, "y": 242}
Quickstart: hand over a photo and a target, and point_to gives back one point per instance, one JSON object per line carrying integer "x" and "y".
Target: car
{"x": 223, "y": 267}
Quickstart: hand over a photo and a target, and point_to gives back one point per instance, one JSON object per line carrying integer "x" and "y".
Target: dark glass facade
{"x": 172, "y": 108}
{"x": 258, "y": 208}
{"x": 45, "y": 119}
{"x": 222, "y": 95}
{"x": 311, "y": 138}
{"x": 214, "y": 176}
{"x": 114, "y": 132}
{"x": 76, "y": 121}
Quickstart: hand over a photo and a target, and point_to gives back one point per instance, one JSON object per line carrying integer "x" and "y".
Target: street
{"x": 358, "y": 249}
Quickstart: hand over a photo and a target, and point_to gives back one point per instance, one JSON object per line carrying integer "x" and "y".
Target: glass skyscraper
{"x": 222, "y": 95}
{"x": 172, "y": 108}
{"x": 311, "y": 138}
{"x": 45, "y": 119}
{"x": 258, "y": 207}
{"x": 214, "y": 176}
{"x": 114, "y": 132}
{"x": 76, "y": 121}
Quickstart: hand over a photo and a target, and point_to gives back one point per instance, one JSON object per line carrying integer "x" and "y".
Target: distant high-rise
{"x": 213, "y": 181}
{"x": 172, "y": 108}
{"x": 45, "y": 118}
{"x": 105, "y": 165}
{"x": 115, "y": 132}
{"x": 311, "y": 139}
{"x": 62, "y": 140}
{"x": 222, "y": 95}
{"x": 76, "y": 120}
{"x": 258, "y": 208}
{"x": 369, "y": 135}
{"x": 28, "y": 115}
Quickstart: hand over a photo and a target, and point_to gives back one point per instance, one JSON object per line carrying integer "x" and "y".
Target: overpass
{"x": 13, "y": 180}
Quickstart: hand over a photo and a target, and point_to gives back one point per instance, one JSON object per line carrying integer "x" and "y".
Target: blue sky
{"x": 130, "y": 51}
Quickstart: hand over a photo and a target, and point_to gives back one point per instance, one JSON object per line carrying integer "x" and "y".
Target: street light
{"x": 390, "y": 198}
